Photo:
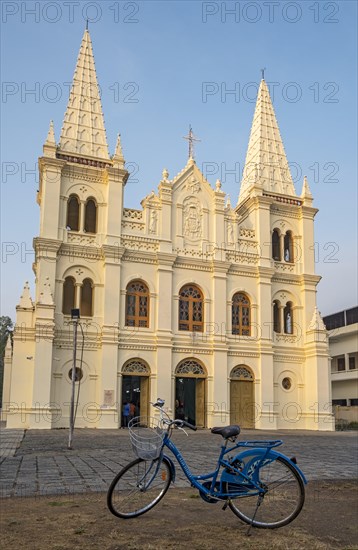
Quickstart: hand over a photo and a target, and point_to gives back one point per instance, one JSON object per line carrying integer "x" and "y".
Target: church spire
{"x": 266, "y": 162}
{"x": 83, "y": 131}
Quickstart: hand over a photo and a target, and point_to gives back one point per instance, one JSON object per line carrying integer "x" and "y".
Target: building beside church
{"x": 343, "y": 347}
{"x": 207, "y": 305}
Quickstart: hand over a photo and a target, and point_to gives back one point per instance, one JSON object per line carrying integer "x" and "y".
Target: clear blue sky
{"x": 163, "y": 65}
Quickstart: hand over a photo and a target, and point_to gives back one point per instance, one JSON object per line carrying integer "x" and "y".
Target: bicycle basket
{"x": 147, "y": 436}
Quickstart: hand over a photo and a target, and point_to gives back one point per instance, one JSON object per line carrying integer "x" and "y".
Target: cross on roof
{"x": 191, "y": 139}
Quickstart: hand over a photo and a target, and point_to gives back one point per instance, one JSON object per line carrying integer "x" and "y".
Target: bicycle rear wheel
{"x": 282, "y": 502}
{"x": 138, "y": 487}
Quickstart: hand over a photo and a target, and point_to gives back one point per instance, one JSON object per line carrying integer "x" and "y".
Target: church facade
{"x": 209, "y": 306}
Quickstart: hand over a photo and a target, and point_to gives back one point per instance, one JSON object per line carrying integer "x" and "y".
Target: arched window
{"x": 137, "y": 304}
{"x": 73, "y": 213}
{"x": 276, "y": 316}
{"x": 288, "y": 247}
{"x": 191, "y": 309}
{"x": 241, "y": 314}
{"x": 288, "y": 318}
{"x": 90, "y": 216}
{"x": 69, "y": 295}
{"x": 191, "y": 368}
{"x": 276, "y": 248}
{"x": 86, "y": 307}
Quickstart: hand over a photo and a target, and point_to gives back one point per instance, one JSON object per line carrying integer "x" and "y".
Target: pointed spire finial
{"x": 118, "y": 153}
{"x": 306, "y": 194}
{"x": 46, "y": 297}
{"x": 263, "y": 73}
{"x": 25, "y": 298}
{"x": 51, "y": 140}
{"x": 316, "y": 321}
{"x": 87, "y": 24}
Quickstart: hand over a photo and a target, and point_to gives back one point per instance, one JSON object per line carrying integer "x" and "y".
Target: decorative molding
{"x": 241, "y": 373}
{"x": 288, "y": 359}
{"x": 287, "y": 338}
{"x": 190, "y": 367}
{"x": 143, "y": 244}
{"x": 83, "y": 160}
{"x": 134, "y": 346}
{"x": 193, "y": 349}
{"x": 242, "y": 258}
{"x": 134, "y": 226}
{"x": 284, "y": 200}
{"x": 234, "y": 353}
{"x": 133, "y": 214}
{"x": 80, "y": 238}
{"x": 135, "y": 367}
{"x": 281, "y": 266}
{"x": 246, "y": 232}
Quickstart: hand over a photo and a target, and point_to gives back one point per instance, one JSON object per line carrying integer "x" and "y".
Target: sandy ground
{"x": 180, "y": 520}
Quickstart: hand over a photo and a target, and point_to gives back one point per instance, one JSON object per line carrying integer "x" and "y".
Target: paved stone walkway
{"x": 38, "y": 462}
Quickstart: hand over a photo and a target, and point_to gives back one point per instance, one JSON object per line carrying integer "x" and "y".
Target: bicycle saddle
{"x": 227, "y": 431}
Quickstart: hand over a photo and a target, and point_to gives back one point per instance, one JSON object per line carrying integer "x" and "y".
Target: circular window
{"x": 78, "y": 374}
{"x": 287, "y": 383}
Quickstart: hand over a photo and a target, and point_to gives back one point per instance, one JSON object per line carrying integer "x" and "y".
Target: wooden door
{"x": 144, "y": 396}
{"x": 200, "y": 402}
{"x": 242, "y": 403}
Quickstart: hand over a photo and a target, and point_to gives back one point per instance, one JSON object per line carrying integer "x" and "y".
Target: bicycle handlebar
{"x": 159, "y": 404}
{"x": 181, "y": 423}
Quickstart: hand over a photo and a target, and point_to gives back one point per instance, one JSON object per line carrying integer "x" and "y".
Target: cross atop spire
{"x": 83, "y": 131}
{"x": 266, "y": 163}
{"x": 191, "y": 139}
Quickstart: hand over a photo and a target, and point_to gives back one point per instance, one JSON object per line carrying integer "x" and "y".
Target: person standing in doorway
{"x": 126, "y": 412}
{"x": 131, "y": 410}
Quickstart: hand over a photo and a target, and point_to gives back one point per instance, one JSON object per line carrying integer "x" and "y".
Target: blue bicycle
{"x": 261, "y": 486}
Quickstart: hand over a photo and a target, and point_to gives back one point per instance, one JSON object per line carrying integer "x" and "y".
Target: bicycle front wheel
{"x": 138, "y": 487}
{"x": 282, "y": 502}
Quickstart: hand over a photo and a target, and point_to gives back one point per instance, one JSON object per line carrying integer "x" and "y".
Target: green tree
{"x": 6, "y": 327}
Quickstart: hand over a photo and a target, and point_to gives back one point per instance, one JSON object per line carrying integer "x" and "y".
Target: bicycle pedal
{"x": 225, "y": 505}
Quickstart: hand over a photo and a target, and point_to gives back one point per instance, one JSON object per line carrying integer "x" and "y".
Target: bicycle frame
{"x": 241, "y": 484}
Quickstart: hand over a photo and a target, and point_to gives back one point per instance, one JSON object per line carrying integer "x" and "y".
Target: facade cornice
{"x": 308, "y": 212}
{"x": 289, "y": 279}
{"x": 142, "y": 258}
{"x": 166, "y": 258}
{"x": 236, "y": 353}
{"x": 309, "y": 279}
{"x": 112, "y": 252}
{"x": 42, "y": 244}
{"x": 50, "y": 161}
{"x": 80, "y": 251}
{"x": 289, "y": 358}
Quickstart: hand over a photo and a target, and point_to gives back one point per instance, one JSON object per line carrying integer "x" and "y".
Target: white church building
{"x": 209, "y": 306}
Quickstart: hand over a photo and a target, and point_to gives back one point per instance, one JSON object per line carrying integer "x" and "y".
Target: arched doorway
{"x": 242, "y": 399}
{"x": 135, "y": 386}
{"x": 190, "y": 392}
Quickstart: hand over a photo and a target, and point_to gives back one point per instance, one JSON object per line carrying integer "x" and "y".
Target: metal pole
{"x": 73, "y": 379}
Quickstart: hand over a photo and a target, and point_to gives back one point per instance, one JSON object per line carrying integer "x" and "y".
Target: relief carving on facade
{"x": 192, "y": 185}
{"x": 192, "y": 219}
{"x": 153, "y": 222}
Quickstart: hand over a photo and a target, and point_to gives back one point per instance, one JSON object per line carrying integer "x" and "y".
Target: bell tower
{"x": 286, "y": 280}
{"x": 77, "y": 261}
